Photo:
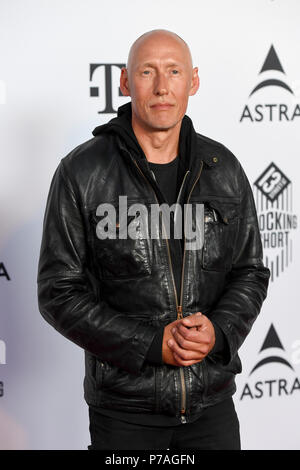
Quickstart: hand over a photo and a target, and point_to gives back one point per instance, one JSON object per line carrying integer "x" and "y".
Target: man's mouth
{"x": 162, "y": 106}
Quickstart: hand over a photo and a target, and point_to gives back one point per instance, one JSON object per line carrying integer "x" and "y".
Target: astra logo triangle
{"x": 264, "y": 383}
{"x": 272, "y": 77}
{"x": 271, "y": 62}
{"x": 271, "y": 341}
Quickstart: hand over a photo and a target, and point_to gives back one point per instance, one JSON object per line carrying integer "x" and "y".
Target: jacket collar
{"x": 192, "y": 148}
{"x": 187, "y": 134}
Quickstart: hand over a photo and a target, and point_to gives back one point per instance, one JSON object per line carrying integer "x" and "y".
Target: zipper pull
{"x": 179, "y": 312}
{"x": 152, "y": 172}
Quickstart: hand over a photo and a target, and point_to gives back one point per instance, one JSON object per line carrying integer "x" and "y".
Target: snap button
{"x": 215, "y": 159}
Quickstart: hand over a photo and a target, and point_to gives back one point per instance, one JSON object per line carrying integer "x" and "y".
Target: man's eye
{"x": 146, "y": 72}
{"x": 175, "y": 72}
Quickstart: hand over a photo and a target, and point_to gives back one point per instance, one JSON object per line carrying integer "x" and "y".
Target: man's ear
{"x": 195, "y": 82}
{"x": 124, "y": 84}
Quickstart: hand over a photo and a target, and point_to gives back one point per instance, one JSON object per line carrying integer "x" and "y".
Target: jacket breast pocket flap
{"x": 220, "y": 230}
{"x": 120, "y": 245}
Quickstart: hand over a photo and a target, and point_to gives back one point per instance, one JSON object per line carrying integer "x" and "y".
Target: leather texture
{"x": 110, "y": 297}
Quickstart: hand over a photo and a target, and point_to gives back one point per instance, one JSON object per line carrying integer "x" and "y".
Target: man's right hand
{"x": 192, "y": 338}
{"x": 167, "y": 354}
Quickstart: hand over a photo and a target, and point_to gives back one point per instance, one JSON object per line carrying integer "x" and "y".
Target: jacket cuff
{"x": 154, "y": 354}
{"x": 221, "y": 347}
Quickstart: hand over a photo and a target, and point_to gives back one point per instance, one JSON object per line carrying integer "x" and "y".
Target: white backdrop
{"x": 46, "y": 109}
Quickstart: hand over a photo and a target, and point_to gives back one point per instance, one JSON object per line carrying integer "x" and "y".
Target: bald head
{"x": 153, "y": 39}
{"x": 159, "y": 78}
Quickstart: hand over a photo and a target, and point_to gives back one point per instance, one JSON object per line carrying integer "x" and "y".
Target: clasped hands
{"x": 188, "y": 340}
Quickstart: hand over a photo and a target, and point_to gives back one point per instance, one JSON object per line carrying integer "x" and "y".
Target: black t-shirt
{"x": 166, "y": 178}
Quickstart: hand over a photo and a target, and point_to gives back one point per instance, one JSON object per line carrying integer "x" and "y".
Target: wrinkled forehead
{"x": 154, "y": 48}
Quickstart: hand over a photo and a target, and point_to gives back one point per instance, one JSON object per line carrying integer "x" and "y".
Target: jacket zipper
{"x": 178, "y": 306}
{"x": 166, "y": 238}
{"x": 180, "y": 313}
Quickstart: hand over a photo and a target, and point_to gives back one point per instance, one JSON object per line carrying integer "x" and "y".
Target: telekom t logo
{"x": 105, "y": 87}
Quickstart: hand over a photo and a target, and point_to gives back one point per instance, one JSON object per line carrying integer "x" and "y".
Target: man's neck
{"x": 158, "y": 146}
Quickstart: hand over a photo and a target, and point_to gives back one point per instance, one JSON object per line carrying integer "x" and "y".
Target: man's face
{"x": 160, "y": 78}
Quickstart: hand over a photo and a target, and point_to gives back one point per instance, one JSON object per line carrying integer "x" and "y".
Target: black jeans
{"x": 216, "y": 429}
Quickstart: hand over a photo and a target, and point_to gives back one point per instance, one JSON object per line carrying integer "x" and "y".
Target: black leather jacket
{"x": 111, "y": 296}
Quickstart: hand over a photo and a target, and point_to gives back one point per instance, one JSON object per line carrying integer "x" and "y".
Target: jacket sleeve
{"x": 67, "y": 296}
{"x": 247, "y": 282}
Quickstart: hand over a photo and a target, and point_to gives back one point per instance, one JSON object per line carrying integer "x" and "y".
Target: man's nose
{"x": 161, "y": 85}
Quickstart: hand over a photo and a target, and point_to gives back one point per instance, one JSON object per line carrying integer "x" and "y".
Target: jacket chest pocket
{"x": 120, "y": 246}
{"x": 220, "y": 231}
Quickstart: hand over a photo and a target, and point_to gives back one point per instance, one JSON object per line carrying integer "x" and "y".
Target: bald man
{"x": 160, "y": 313}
